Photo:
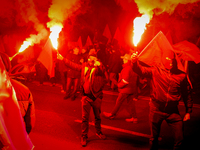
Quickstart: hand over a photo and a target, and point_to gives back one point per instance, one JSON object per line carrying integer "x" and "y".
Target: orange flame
{"x": 55, "y": 30}
{"x": 24, "y": 46}
{"x": 139, "y": 27}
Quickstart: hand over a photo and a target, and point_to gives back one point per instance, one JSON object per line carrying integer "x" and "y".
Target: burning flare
{"x": 24, "y": 46}
{"x": 139, "y": 26}
{"x": 55, "y": 30}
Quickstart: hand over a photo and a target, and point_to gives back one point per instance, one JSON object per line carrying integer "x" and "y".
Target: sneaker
{"x": 73, "y": 98}
{"x": 134, "y": 120}
{"x": 101, "y": 136}
{"x": 66, "y": 97}
{"x": 108, "y": 115}
{"x": 83, "y": 141}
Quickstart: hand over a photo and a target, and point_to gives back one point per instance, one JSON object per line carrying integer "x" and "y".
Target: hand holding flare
{"x": 59, "y": 56}
{"x": 96, "y": 62}
{"x": 134, "y": 56}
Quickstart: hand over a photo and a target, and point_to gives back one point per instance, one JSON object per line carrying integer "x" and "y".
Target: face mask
{"x": 167, "y": 62}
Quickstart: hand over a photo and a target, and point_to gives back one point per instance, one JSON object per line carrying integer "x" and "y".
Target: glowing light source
{"x": 139, "y": 26}
{"x": 24, "y": 46}
{"x": 54, "y": 35}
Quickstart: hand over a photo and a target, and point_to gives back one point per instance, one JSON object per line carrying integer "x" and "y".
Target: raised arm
{"x": 69, "y": 63}
{"x": 139, "y": 69}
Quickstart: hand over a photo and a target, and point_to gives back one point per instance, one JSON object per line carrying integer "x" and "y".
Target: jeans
{"x": 63, "y": 77}
{"x": 113, "y": 79}
{"x": 87, "y": 103}
{"x": 75, "y": 82}
{"x": 174, "y": 120}
{"x": 130, "y": 104}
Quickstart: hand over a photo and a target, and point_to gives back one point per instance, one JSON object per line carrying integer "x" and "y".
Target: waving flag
{"x": 187, "y": 51}
{"x": 88, "y": 42}
{"x": 107, "y": 33}
{"x": 118, "y": 36}
{"x": 79, "y": 42}
{"x": 157, "y": 47}
{"x": 46, "y": 58}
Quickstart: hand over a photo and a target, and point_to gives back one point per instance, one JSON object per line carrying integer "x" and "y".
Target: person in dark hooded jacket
{"x": 168, "y": 86}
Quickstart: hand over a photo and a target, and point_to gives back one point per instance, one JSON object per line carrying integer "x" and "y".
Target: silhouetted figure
{"x": 92, "y": 81}
{"x": 168, "y": 86}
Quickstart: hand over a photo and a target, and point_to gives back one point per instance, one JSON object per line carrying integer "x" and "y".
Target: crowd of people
{"x": 110, "y": 57}
{"x": 168, "y": 85}
{"x": 87, "y": 70}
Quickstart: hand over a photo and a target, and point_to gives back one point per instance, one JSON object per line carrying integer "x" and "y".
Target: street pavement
{"x": 58, "y": 123}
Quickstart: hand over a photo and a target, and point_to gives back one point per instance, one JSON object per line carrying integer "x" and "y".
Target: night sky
{"x": 21, "y": 18}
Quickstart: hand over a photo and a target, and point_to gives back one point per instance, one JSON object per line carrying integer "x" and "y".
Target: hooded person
{"x": 168, "y": 86}
{"x": 73, "y": 76}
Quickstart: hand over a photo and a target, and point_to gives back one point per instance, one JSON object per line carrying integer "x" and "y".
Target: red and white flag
{"x": 46, "y": 58}
{"x": 157, "y": 47}
{"x": 187, "y": 51}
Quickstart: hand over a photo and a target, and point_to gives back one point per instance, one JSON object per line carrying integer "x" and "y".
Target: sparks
{"x": 139, "y": 27}
{"x": 55, "y": 30}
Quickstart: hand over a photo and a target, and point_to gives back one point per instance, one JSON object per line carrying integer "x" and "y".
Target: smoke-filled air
{"x": 151, "y": 7}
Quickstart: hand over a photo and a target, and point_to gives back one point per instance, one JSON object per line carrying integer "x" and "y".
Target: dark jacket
{"x": 71, "y": 73}
{"x": 115, "y": 63}
{"x": 131, "y": 77}
{"x": 167, "y": 87}
{"x": 26, "y": 104}
{"x": 98, "y": 77}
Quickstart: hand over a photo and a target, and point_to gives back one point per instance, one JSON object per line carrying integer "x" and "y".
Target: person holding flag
{"x": 168, "y": 86}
